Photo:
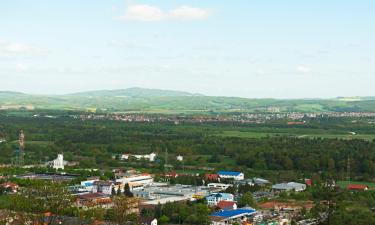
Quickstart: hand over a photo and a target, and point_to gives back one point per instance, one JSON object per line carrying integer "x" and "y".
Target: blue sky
{"x": 248, "y": 48}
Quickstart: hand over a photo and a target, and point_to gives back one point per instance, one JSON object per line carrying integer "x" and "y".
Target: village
{"x": 231, "y": 197}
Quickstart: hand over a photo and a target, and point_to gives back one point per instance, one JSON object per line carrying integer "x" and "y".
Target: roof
{"x": 9, "y": 184}
{"x": 233, "y": 213}
{"x": 229, "y": 173}
{"x": 211, "y": 176}
{"x": 289, "y": 186}
{"x": 357, "y": 186}
{"x": 92, "y": 196}
{"x": 226, "y": 204}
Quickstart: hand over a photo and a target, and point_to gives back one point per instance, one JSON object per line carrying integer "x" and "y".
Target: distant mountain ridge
{"x": 140, "y": 100}
{"x": 135, "y": 92}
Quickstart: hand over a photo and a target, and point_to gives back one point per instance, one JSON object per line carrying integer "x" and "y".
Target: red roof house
{"x": 357, "y": 187}
{"x": 211, "y": 177}
{"x": 11, "y": 186}
{"x": 227, "y": 205}
{"x": 308, "y": 182}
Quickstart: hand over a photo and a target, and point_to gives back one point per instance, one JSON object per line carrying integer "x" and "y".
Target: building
{"x": 211, "y": 177}
{"x": 150, "y": 157}
{"x": 104, "y": 187}
{"x": 226, "y": 205}
{"x": 58, "y": 163}
{"x": 180, "y": 158}
{"x": 260, "y": 181}
{"x": 9, "y": 187}
{"x": 143, "y": 178}
{"x": 93, "y": 200}
{"x": 163, "y": 193}
{"x": 148, "y": 221}
{"x": 291, "y": 186}
{"x": 89, "y": 183}
{"x": 215, "y": 198}
{"x": 219, "y": 185}
{"x": 231, "y": 175}
{"x": 231, "y": 216}
{"x": 357, "y": 187}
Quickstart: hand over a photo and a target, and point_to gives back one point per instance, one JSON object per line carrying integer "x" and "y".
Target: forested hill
{"x": 165, "y": 101}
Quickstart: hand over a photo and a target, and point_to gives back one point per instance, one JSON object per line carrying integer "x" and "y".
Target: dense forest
{"x": 96, "y": 143}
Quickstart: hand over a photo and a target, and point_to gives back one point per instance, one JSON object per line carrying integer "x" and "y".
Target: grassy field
{"x": 255, "y": 134}
{"x": 344, "y": 184}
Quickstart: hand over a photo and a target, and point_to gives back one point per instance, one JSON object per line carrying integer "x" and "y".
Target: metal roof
{"x": 234, "y": 213}
{"x": 229, "y": 173}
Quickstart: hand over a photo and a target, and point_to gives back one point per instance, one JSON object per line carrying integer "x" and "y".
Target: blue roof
{"x": 229, "y": 173}
{"x": 232, "y": 213}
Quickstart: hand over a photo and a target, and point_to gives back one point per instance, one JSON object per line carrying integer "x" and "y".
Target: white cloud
{"x": 189, "y": 13}
{"x": 303, "y": 69}
{"x": 145, "y": 13}
{"x": 16, "y": 48}
{"x": 150, "y": 13}
{"x": 21, "y": 67}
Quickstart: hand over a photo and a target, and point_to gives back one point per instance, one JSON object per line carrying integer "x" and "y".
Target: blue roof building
{"x": 231, "y": 175}
{"x": 215, "y": 198}
{"x": 229, "y": 216}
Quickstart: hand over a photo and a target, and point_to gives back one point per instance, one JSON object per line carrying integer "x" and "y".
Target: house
{"x": 180, "y": 158}
{"x": 93, "y": 200}
{"x": 215, "y": 198}
{"x": 89, "y": 183}
{"x": 104, "y": 187}
{"x": 143, "y": 178}
{"x": 260, "y": 181}
{"x": 226, "y": 205}
{"x": 308, "y": 182}
{"x": 172, "y": 174}
{"x": 58, "y": 163}
{"x": 9, "y": 187}
{"x": 219, "y": 185}
{"x": 211, "y": 177}
{"x": 148, "y": 221}
{"x": 231, "y": 216}
{"x": 291, "y": 186}
{"x": 357, "y": 187}
{"x": 231, "y": 175}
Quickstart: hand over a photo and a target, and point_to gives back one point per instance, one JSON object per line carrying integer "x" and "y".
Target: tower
{"x": 20, "y": 151}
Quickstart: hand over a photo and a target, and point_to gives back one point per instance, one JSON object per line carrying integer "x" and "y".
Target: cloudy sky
{"x": 248, "y": 48}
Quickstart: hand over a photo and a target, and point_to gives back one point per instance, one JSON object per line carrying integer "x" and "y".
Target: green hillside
{"x": 164, "y": 101}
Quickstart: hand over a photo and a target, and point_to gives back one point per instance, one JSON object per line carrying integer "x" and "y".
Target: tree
{"x": 164, "y": 219}
{"x": 124, "y": 208}
{"x": 247, "y": 200}
{"x": 127, "y": 191}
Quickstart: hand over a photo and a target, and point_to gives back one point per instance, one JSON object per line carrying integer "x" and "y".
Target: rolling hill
{"x": 166, "y": 101}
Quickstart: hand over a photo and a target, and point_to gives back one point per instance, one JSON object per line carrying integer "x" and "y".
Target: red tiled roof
{"x": 92, "y": 196}
{"x": 308, "y": 182}
{"x": 211, "y": 176}
{"x": 357, "y": 186}
{"x": 9, "y": 184}
{"x": 226, "y": 204}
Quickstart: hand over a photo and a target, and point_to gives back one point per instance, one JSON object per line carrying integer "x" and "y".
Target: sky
{"x": 246, "y": 48}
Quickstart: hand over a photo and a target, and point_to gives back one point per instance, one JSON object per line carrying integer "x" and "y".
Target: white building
{"x": 231, "y": 175}
{"x": 104, "y": 187}
{"x": 59, "y": 162}
{"x": 150, "y": 157}
{"x": 219, "y": 185}
{"x": 180, "y": 158}
{"x": 89, "y": 183}
{"x": 291, "y": 186}
{"x": 144, "y": 179}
